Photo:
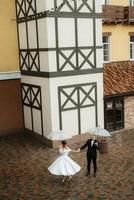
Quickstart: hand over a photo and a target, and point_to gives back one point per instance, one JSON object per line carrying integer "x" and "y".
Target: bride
{"x": 64, "y": 165}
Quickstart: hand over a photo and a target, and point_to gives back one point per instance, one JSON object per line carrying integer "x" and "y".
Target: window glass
{"x": 131, "y": 38}
{"x": 131, "y": 47}
{"x": 114, "y": 114}
{"x": 106, "y": 47}
{"x": 109, "y": 105}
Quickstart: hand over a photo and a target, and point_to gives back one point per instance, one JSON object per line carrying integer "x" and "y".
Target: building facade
{"x": 118, "y": 58}
{"x": 10, "y": 95}
{"x": 60, "y": 58}
{"x": 60, "y": 49}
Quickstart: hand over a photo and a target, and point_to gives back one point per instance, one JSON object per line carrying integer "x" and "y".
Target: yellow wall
{"x": 119, "y": 2}
{"x": 119, "y": 41}
{"x": 8, "y": 37}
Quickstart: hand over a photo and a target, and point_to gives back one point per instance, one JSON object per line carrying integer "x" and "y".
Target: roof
{"x": 118, "y": 78}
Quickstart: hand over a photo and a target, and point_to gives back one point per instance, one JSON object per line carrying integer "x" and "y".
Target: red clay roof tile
{"x": 118, "y": 77}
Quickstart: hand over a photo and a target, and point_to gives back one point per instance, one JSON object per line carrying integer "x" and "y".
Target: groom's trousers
{"x": 89, "y": 159}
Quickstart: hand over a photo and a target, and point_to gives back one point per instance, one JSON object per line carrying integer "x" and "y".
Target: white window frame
{"x": 131, "y": 2}
{"x": 131, "y": 46}
{"x": 109, "y": 52}
{"x": 105, "y": 2}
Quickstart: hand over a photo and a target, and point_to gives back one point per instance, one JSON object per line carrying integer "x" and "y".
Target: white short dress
{"x": 64, "y": 165}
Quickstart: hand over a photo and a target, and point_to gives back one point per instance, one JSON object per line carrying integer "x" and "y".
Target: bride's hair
{"x": 64, "y": 143}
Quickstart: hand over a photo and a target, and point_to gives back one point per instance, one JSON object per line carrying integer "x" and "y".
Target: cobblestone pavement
{"x": 24, "y": 175}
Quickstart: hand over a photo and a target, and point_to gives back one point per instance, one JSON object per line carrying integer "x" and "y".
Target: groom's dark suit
{"x": 92, "y": 147}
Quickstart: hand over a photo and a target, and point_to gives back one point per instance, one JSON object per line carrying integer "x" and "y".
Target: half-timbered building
{"x": 60, "y": 50}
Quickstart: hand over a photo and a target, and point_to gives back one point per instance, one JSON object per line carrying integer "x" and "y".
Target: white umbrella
{"x": 99, "y": 132}
{"x": 58, "y": 135}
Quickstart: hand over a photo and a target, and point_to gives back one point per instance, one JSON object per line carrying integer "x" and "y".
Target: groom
{"x": 92, "y": 147}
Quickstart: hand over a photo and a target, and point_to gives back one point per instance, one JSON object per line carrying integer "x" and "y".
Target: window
{"x": 131, "y": 2}
{"x": 114, "y": 114}
{"x": 132, "y": 47}
{"x": 105, "y": 2}
{"x": 106, "y": 48}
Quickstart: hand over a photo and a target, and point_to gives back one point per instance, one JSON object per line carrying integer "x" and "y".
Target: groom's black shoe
{"x": 88, "y": 173}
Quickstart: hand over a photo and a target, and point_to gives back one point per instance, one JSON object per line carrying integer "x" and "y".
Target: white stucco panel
{"x": 44, "y": 5}
{"x": 22, "y": 36}
{"x": 66, "y": 32}
{"x": 85, "y": 32}
{"x": 98, "y": 6}
{"x": 51, "y": 32}
{"x": 99, "y": 58}
{"x": 41, "y": 5}
{"x": 37, "y": 121}
{"x": 46, "y": 109}
{"x": 70, "y": 125}
{"x": 49, "y": 4}
{"x": 98, "y": 32}
{"x": 27, "y": 118}
{"x": 42, "y": 32}
{"x": 32, "y": 38}
{"x": 87, "y": 118}
{"x": 44, "y": 61}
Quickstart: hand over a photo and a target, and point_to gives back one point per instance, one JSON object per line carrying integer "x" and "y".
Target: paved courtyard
{"x": 24, "y": 174}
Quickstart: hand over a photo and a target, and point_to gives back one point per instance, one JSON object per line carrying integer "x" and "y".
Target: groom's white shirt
{"x": 92, "y": 141}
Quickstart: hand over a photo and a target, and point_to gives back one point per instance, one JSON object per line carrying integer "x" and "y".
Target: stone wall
{"x": 129, "y": 112}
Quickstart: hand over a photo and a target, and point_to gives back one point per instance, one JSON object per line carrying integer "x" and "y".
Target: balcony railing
{"x": 118, "y": 14}
{"x": 129, "y": 13}
{"x": 113, "y": 13}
